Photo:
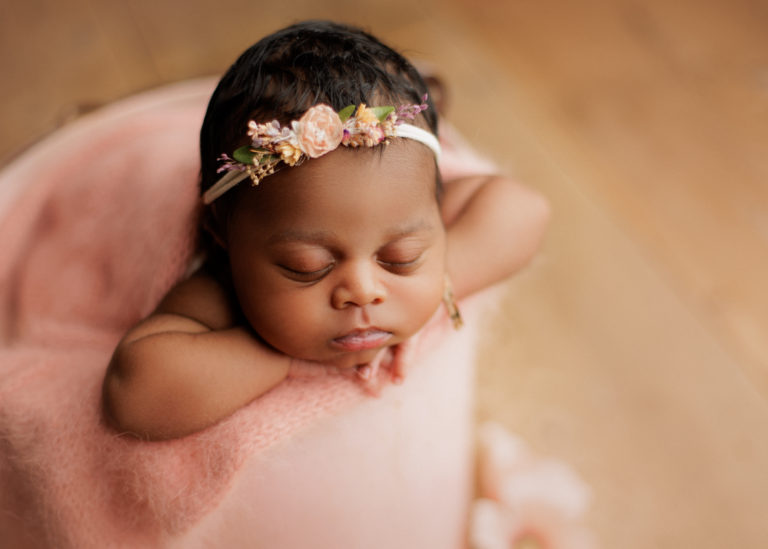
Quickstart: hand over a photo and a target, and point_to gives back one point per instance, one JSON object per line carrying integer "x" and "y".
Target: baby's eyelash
{"x": 402, "y": 267}
{"x": 307, "y": 276}
{"x": 400, "y": 263}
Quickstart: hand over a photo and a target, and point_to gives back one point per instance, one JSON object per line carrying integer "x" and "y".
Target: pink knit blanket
{"x": 96, "y": 223}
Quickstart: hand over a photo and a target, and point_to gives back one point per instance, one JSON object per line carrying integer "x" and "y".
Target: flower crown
{"x": 319, "y": 131}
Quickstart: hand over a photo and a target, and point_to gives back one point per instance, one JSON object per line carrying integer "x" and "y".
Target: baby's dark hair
{"x": 289, "y": 71}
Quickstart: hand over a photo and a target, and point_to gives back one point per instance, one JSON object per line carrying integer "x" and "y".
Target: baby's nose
{"x": 358, "y": 285}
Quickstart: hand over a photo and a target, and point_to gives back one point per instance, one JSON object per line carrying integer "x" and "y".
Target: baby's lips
{"x": 362, "y": 340}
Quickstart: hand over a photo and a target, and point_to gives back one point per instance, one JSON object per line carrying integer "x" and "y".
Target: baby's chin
{"x": 342, "y": 361}
{"x": 353, "y": 360}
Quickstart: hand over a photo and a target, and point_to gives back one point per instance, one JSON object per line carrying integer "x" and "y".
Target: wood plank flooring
{"x": 634, "y": 347}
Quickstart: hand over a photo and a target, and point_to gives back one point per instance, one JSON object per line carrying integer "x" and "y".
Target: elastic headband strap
{"x": 229, "y": 180}
{"x": 408, "y": 131}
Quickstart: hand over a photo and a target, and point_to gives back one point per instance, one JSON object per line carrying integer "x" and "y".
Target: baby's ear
{"x": 436, "y": 86}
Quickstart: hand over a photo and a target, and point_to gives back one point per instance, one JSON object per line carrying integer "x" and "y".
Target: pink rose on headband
{"x": 319, "y": 131}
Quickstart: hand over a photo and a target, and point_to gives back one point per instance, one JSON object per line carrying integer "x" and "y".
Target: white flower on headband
{"x": 319, "y": 131}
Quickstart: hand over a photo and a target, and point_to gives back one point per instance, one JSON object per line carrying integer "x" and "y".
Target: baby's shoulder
{"x": 203, "y": 298}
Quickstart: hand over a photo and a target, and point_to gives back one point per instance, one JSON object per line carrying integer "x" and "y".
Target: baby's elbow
{"x": 525, "y": 214}
{"x": 119, "y": 394}
{"x": 535, "y": 221}
{"x": 114, "y": 397}
{"x": 539, "y": 215}
{"x": 127, "y": 403}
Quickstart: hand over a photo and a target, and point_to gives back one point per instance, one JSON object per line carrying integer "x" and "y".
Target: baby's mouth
{"x": 361, "y": 340}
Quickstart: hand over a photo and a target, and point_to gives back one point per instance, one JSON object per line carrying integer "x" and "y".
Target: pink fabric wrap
{"x": 96, "y": 223}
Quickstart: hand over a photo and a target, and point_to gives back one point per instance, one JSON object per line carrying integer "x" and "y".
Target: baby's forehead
{"x": 347, "y": 170}
{"x": 390, "y": 188}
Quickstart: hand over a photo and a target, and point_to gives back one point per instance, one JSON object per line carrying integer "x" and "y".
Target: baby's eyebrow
{"x": 325, "y": 237}
{"x": 409, "y": 229}
{"x": 297, "y": 235}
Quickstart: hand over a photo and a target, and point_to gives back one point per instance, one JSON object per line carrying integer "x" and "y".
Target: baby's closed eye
{"x": 306, "y": 266}
{"x": 306, "y": 274}
{"x": 402, "y": 258}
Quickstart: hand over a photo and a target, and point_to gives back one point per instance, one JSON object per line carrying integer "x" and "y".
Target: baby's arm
{"x": 495, "y": 225}
{"x": 187, "y": 366}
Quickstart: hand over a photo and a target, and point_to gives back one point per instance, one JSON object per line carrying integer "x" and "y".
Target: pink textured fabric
{"x": 96, "y": 223}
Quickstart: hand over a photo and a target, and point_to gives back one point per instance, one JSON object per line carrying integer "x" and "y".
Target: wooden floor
{"x": 635, "y": 346}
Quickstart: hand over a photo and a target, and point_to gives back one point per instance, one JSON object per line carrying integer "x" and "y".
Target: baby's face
{"x": 341, "y": 256}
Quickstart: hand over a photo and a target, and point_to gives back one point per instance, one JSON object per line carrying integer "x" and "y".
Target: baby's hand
{"x": 394, "y": 359}
{"x": 400, "y": 358}
{"x": 369, "y": 372}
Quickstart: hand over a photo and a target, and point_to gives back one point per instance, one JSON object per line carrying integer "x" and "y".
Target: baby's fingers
{"x": 402, "y": 354}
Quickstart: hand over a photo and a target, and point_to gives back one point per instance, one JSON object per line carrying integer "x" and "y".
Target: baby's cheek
{"x": 422, "y": 304}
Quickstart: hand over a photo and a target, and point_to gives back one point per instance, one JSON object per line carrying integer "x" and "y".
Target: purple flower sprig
{"x": 410, "y": 111}
{"x": 228, "y": 164}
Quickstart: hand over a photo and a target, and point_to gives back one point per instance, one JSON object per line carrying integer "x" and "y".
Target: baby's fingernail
{"x": 364, "y": 371}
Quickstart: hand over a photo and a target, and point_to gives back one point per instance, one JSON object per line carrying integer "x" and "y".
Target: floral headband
{"x": 319, "y": 131}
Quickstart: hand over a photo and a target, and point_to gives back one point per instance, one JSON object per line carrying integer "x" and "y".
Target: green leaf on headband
{"x": 346, "y": 112}
{"x": 382, "y": 112}
{"x": 267, "y": 158}
{"x": 244, "y": 155}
